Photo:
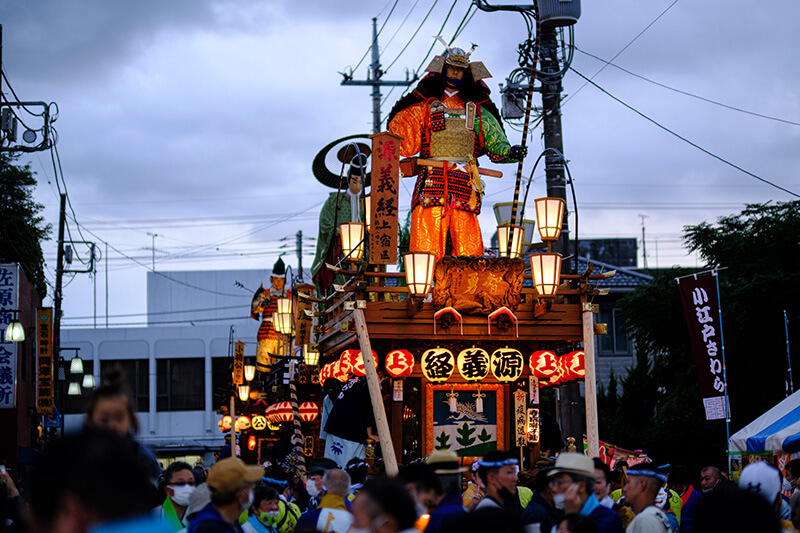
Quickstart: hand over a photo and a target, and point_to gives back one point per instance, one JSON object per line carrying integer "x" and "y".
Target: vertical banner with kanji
{"x": 44, "y": 361}
{"x": 521, "y": 418}
{"x": 9, "y": 301}
{"x": 302, "y": 334}
{"x": 533, "y": 425}
{"x": 238, "y": 363}
{"x": 383, "y": 198}
{"x": 701, "y": 308}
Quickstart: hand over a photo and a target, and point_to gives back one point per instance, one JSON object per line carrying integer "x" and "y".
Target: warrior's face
{"x": 277, "y": 282}
{"x": 453, "y": 76}
{"x": 355, "y": 184}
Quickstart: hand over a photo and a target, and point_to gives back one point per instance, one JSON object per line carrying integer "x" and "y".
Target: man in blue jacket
{"x": 574, "y": 477}
{"x": 231, "y": 483}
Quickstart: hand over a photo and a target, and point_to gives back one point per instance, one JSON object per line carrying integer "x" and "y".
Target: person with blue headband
{"x": 641, "y": 490}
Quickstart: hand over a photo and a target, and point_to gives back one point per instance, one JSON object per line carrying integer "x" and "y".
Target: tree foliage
{"x": 659, "y": 409}
{"x": 22, "y": 229}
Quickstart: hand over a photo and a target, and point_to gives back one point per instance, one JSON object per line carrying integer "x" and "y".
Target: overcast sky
{"x": 196, "y": 121}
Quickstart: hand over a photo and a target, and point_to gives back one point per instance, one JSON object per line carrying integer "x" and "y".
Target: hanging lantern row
{"x": 242, "y": 423}
{"x": 553, "y": 370}
{"x": 308, "y": 411}
{"x": 473, "y": 364}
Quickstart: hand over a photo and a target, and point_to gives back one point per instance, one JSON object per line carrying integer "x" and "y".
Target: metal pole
{"x": 590, "y": 384}
{"x": 724, "y": 374}
{"x": 58, "y": 296}
{"x": 788, "y": 353}
{"x": 375, "y": 396}
{"x": 376, "y": 76}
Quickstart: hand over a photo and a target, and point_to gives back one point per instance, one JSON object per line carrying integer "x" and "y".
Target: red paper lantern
{"x": 338, "y": 372}
{"x": 346, "y": 362}
{"x": 573, "y": 366}
{"x": 269, "y": 413}
{"x": 399, "y": 363}
{"x": 242, "y": 423}
{"x": 283, "y": 412}
{"x": 355, "y": 361}
{"x": 308, "y": 411}
{"x": 225, "y": 423}
{"x": 544, "y": 365}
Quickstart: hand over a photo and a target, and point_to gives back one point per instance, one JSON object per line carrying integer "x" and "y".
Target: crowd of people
{"x": 97, "y": 481}
{"x": 101, "y": 480}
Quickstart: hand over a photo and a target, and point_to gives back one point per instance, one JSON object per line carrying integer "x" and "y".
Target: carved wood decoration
{"x": 478, "y": 285}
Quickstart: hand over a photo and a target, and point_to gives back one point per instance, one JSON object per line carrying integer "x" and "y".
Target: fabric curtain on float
{"x": 776, "y": 431}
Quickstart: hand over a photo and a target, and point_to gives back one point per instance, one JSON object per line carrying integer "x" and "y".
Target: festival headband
{"x": 356, "y": 465}
{"x": 648, "y": 473}
{"x": 497, "y": 464}
{"x": 272, "y": 481}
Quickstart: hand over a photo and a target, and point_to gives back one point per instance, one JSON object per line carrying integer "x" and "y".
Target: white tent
{"x": 776, "y": 431}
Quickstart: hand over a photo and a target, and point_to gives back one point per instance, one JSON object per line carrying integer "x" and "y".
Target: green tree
{"x": 466, "y": 438}
{"x": 442, "y": 440}
{"x": 22, "y": 229}
{"x": 659, "y": 409}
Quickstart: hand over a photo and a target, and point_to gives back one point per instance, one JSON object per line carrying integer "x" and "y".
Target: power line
{"x": 684, "y": 139}
{"x": 685, "y": 93}
{"x": 623, "y": 49}
{"x": 400, "y": 27}
{"x": 376, "y": 36}
{"x": 425, "y": 18}
{"x": 155, "y": 313}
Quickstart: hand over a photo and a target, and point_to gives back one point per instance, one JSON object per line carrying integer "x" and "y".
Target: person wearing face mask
{"x": 179, "y": 482}
{"x": 498, "y": 472}
{"x": 231, "y": 483}
{"x": 332, "y": 514}
{"x": 574, "y": 477}
{"x": 264, "y": 508}
{"x": 542, "y": 510}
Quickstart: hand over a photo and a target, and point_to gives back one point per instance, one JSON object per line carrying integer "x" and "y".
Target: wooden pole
{"x": 374, "y": 385}
{"x": 592, "y": 432}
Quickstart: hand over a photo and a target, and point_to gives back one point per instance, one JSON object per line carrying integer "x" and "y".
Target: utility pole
{"x": 374, "y": 79}
{"x": 299, "y": 248}
{"x": 57, "y": 299}
{"x": 644, "y": 243}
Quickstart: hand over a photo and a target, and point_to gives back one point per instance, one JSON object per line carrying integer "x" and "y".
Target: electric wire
{"x": 620, "y": 52}
{"x": 400, "y": 27}
{"x": 684, "y": 139}
{"x": 686, "y": 93}
{"x": 413, "y": 36}
{"x": 376, "y": 36}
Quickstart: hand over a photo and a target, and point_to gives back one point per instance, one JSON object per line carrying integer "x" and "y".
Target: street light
{"x": 244, "y": 392}
{"x": 249, "y": 372}
{"x": 74, "y": 389}
{"x": 514, "y": 234}
{"x": 311, "y": 354}
{"x": 88, "y": 381}
{"x": 76, "y": 365}
{"x": 549, "y": 217}
{"x": 419, "y": 272}
{"x": 546, "y": 271}
{"x": 15, "y": 332}
{"x": 352, "y": 240}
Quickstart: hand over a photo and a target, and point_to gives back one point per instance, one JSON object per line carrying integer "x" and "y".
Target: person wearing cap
{"x": 450, "y": 120}
{"x": 231, "y": 483}
{"x": 498, "y": 472}
{"x": 447, "y": 468}
{"x": 640, "y": 493}
{"x": 343, "y": 205}
{"x": 574, "y": 479}
{"x": 765, "y": 480}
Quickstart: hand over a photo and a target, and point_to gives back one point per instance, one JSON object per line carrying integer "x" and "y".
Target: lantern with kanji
{"x": 338, "y": 372}
{"x": 437, "y": 364}
{"x": 544, "y": 365}
{"x": 346, "y": 362}
{"x": 399, "y": 363}
{"x": 473, "y": 364}
{"x": 573, "y": 366}
{"x": 507, "y": 364}
{"x": 356, "y": 361}
{"x": 283, "y": 412}
{"x": 308, "y": 411}
{"x": 224, "y": 423}
{"x": 242, "y": 423}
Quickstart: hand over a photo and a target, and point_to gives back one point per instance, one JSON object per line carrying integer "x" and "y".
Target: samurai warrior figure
{"x": 265, "y": 302}
{"x": 449, "y": 120}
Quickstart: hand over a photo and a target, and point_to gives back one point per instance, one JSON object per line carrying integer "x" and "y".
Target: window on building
{"x": 616, "y": 342}
{"x": 180, "y": 384}
{"x": 221, "y": 371}
{"x": 136, "y": 377}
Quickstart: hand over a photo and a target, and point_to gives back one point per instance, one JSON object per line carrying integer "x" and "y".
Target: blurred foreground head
{"x": 85, "y": 479}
